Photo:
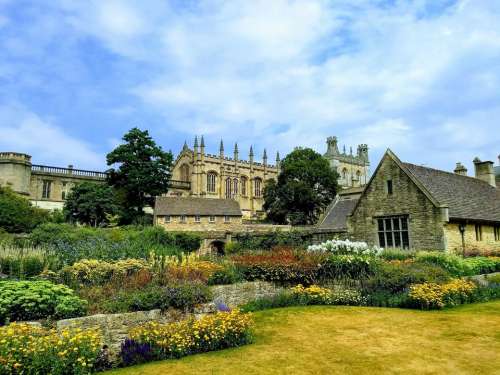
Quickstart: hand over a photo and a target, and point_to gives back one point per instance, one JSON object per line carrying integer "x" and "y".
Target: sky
{"x": 419, "y": 77}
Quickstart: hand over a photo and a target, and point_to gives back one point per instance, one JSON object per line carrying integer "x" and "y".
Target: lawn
{"x": 355, "y": 340}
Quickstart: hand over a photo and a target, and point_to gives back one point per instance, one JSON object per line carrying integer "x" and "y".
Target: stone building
{"x": 410, "y": 206}
{"x": 45, "y": 186}
{"x": 221, "y": 177}
{"x": 353, "y": 170}
{"x": 197, "y": 214}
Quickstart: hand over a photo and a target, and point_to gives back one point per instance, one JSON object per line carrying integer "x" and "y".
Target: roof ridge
{"x": 450, "y": 173}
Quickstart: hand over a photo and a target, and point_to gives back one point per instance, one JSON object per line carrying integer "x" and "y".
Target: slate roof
{"x": 337, "y": 213}
{"x": 190, "y": 206}
{"x": 466, "y": 197}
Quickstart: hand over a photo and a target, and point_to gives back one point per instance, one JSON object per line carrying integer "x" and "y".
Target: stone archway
{"x": 217, "y": 247}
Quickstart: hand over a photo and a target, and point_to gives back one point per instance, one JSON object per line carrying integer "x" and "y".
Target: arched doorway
{"x": 217, "y": 247}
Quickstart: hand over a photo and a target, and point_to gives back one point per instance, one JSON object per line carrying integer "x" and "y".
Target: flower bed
{"x": 26, "y": 349}
{"x": 154, "y": 341}
{"x": 345, "y": 247}
{"x": 437, "y": 296}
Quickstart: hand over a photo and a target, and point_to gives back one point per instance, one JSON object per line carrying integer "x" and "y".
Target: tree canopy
{"x": 143, "y": 171}
{"x": 90, "y": 203}
{"x": 305, "y": 187}
{"x": 17, "y": 215}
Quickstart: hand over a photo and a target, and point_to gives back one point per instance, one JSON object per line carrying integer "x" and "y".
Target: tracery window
{"x": 211, "y": 178}
{"x": 257, "y": 187}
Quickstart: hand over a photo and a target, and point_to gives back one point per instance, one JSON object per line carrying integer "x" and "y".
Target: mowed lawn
{"x": 355, "y": 340}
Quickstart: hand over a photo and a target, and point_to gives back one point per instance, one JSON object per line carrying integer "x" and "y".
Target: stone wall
{"x": 425, "y": 220}
{"x": 204, "y": 225}
{"x": 114, "y": 327}
{"x": 454, "y": 238}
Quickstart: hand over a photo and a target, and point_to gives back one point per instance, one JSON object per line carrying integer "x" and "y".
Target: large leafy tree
{"x": 17, "y": 214}
{"x": 90, "y": 203}
{"x": 305, "y": 187}
{"x": 143, "y": 172}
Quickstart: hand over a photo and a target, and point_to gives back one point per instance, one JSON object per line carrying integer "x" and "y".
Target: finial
{"x": 265, "y": 155}
{"x": 277, "y": 157}
{"x": 185, "y": 147}
{"x": 202, "y": 142}
{"x": 236, "y": 148}
{"x": 195, "y": 141}
{"x": 221, "y": 147}
{"x": 251, "y": 151}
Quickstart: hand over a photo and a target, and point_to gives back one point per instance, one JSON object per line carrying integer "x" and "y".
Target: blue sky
{"x": 420, "y": 77}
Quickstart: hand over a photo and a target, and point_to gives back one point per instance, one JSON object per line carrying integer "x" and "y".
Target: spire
{"x": 185, "y": 147}
{"x": 202, "y": 142}
{"x": 236, "y": 151}
{"x": 264, "y": 157}
{"x": 221, "y": 149}
{"x": 195, "y": 141}
{"x": 251, "y": 154}
{"x": 344, "y": 150}
{"x": 277, "y": 157}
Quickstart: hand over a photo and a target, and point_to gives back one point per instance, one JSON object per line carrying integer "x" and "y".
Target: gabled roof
{"x": 337, "y": 213}
{"x": 467, "y": 198}
{"x": 190, "y": 206}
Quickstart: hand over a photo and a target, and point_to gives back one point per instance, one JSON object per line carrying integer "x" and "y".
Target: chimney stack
{"x": 460, "y": 169}
{"x": 484, "y": 171}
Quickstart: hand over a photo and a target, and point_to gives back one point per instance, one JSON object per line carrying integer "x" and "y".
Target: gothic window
{"x": 185, "y": 172}
{"x": 229, "y": 189}
{"x": 258, "y": 187}
{"x": 235, "y": 186}
{"x": 211, "y": 178}
{"x": 344, "y": 174}
{"x": 393, "y": 232}
{"x": 244, "y": 185}
{"x": 46, "y": 187}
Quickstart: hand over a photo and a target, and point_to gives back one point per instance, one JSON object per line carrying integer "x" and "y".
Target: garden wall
{"x": 114, "y": 327}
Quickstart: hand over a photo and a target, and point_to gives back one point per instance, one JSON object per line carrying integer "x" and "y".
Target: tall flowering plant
{"x": 345, "y": 247}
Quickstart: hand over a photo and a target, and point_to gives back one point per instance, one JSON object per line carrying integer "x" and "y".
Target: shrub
{"x": 396, "y": 276}
{"x": 212, "y": 332}
{"x": 458, "y": 266}
{"x": 17, "y": 215}
{"x": 27, "y": 349}
{"x": 98, "y": 272}
{"x": 437, "y": 296}
{"x": 26, "y": 262}
{"x": 228, "y": 274}
{"x": 494, "y": 279}
{"x": 75, "y": 243}
{"x": 397, "y": 254}
{"x": 268, "y": 241}
{"x": 344, "y": 247}
{"x": 179, "y": 296}
{"x": 281, "y": 266}
{"x": 31, "y": 300}
{"x": 342, "y": 267}
{"x": 387, "y": 299}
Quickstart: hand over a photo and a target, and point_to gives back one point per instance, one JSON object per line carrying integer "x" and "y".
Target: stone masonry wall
{"x": 425, "y": 220}
{"x": 454, "y": 238}
{"x": 114, "y": 327}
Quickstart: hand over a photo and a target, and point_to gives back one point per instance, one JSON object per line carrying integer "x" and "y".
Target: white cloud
{"x": 23, "y": 131}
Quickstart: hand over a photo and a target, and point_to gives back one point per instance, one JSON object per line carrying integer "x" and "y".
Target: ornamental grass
{"x": 174, "y": 340}
{"x": 28, "y": 349}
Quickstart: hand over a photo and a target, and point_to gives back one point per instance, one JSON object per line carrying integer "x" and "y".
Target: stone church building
{"x": 204, "y": 175}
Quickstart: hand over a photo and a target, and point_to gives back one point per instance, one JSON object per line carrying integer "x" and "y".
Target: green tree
{"x": 90, "y": 203}
{"x": 305, "y": 187}
{"x": 17, "y": 215}
{"x": 143, "y": 172}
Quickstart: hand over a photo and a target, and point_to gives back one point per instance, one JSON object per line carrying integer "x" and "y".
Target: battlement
{"x": 15, "y": 156}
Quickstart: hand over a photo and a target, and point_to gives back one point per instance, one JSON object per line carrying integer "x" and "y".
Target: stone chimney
{"x": 460, "y": 169}
{"x": 484, "y": 171}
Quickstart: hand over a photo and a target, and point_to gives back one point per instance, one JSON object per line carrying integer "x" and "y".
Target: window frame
{"x": 211, "y": 219}
{"x": 496, "y": 230}
{"x": 479, "y": 232}
{"x": 197, "y": 218}
{"x": 167, "y": 219}
{"x": 227, "y": 219}
{"x": 211, "y": 182}
{"x": 389, "y": 186}
{"x": 394, "y": 236}
{"x": 46, "y": 189}
{"x": 243, "y": 185}
{"x": 257, "y": 189}
{"x": 182, "y": 219}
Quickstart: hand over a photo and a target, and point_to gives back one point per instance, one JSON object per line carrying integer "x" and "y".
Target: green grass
{"x": 355, "y": 340}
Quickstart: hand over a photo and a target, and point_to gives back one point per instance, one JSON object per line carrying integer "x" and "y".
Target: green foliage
{"x": 24, "y": 263}
{"x": 31, "y": 300}
{"x": 458, "y": 266}
{"x": 341, "y": 267}
{"x": 270, "y": 240}
{"x": 90, "y": 203}
{"x": 229, "y": 274}
{"x": 17, "y": 215}
{"x": 396, "y": 277}
{"x": 143, "y": 172}
{"x": 73, "y": 243}
{"x": 305, "y": 187}
{"x": 183, "y": 296}
{"x": 397, "y": 254}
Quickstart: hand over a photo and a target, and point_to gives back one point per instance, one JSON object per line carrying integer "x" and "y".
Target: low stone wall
{"x": 114, "y": 327}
